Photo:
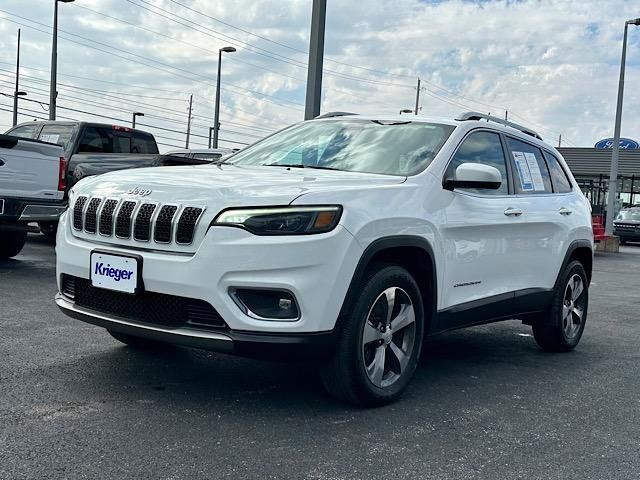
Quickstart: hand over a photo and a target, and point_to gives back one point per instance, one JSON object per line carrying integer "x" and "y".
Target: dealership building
{"x": 591, "y": 167}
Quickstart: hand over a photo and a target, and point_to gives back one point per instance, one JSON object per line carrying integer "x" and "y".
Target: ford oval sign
{"x": 625, "y": 143}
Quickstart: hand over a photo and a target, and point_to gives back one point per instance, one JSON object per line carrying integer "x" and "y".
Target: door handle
{"x": 565, "y": 211}
{"x": 513, "y": 212}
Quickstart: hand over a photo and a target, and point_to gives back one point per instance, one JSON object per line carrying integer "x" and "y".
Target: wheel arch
{"x": 411, "y": 252}
{"x": 582, "y": 251}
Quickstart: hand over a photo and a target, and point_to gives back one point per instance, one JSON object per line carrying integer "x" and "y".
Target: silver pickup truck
{"x": 32, "y": 185}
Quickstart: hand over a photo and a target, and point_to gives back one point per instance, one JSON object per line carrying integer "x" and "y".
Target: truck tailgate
{"x": 29, "y": 168}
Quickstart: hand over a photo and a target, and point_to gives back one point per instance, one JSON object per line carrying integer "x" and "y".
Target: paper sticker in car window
{"x": 534, "y": 171}
{"x": 526, "y": 182}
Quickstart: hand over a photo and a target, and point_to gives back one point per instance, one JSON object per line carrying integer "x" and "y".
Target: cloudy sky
{"x": 553, "y": 64}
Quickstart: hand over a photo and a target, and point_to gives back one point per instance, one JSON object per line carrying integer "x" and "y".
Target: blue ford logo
{"x": 625, "y": 143}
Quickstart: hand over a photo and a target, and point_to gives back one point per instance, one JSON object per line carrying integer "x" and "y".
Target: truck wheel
{"x": 561, "y": 328}
{"x": 12, "y": 242}
{"x": 49, "y": 230}
{"x": 379, "y": 342}
{"x": 137, "y": 342}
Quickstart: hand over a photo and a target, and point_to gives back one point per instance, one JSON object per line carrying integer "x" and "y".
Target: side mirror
{"x": 474, "y": 175}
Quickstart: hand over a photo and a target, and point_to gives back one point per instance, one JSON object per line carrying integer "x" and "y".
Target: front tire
{"x": 560, "y": 330}
{"x": 379, "y": 341}
{"x": 12, "y": 242}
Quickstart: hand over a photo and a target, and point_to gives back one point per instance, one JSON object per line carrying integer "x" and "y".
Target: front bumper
{"x": 250, "y": 344}
{"x": 316, "y": 269}
{"x": 627, "y": 233}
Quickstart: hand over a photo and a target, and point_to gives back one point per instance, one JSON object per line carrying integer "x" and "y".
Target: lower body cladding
{"x": 236, "y": 293}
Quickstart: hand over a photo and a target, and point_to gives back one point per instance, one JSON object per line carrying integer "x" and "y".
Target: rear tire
{"x": 49, "y": 230}
{"x": 378, "y": 347}
{"x": 560, "y": 330}
{"x": 138, "y": 343}
{"x": 12, "y": 243}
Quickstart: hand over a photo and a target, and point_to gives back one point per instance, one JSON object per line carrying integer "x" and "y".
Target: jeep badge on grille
{"x": 139, "y": 191}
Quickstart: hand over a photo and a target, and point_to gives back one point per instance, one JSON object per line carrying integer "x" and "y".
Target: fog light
{"x": 266, "y": 304}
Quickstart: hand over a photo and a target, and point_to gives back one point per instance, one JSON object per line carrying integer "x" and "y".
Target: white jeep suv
{"x": 346, "y": 239}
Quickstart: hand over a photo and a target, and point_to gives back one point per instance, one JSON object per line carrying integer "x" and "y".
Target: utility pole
{"x": 210, "y": 134}
{"x": 418, "y": 97}
{"x": 189, "y": 121}
{"x": 613, "y": 176}
{"x": 316, "y": 57}
{"x": 15, "y": 93}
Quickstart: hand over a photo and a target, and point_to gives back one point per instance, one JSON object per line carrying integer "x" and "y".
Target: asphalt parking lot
{"x": 485, "y": 403}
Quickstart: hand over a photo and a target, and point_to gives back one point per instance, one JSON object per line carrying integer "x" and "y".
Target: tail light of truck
{"x": 62, "y": 174}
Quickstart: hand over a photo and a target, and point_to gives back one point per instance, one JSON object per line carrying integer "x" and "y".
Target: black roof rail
{"x": 491, "y": 118}
{"x": 335, "y": 114}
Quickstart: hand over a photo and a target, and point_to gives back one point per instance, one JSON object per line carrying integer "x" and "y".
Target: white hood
{"x": 218, "y": 187}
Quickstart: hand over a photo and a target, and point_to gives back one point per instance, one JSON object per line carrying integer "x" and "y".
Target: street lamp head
{"x": 406, "y": 110}
{"x": 634, "y": 22}
{"x": 228, "y": 49}
{"x": 65, "y": 1}
{"x": 138, "y": 114}
{"x": 20, "y": 94}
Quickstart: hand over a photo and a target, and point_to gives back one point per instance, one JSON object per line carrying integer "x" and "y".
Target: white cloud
{"x": 552, "y": 63}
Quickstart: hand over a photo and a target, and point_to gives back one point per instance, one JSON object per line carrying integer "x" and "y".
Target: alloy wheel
{"x": 389, "y": 337}
{"x": 573, "y": 306}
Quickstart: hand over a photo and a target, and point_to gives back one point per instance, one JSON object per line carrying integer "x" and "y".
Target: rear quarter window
{"x": 560, "y": 179}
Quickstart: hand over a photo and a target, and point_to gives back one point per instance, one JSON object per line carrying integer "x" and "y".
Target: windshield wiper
{"x": 380, "y": 122}
{"x": 298, "y": 165}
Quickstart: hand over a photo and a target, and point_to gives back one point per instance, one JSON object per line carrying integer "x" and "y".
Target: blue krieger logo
{"x": 116, "y": 273}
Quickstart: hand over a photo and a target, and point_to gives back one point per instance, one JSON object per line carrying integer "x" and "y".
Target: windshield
{"x": 629, "y": 215}
{"x": 370, "y": 146}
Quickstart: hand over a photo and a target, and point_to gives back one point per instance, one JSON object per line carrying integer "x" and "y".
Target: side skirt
{"x": 521, "y": 304}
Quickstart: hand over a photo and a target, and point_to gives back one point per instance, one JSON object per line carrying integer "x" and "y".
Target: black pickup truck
{"x": 95, "y": 148}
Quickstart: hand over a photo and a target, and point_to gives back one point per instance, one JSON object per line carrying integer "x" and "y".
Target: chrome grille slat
{"x": 123, "y": 220}
{"x": 142, "y": 226}
{"x": 164, "y": 224}
{"x": 91, "y": 215}
{"x": 105, "y": 227}
{"x": 78, "y": 212}
{"x": 187, "y": 225}
{"x": 136, "y": 220}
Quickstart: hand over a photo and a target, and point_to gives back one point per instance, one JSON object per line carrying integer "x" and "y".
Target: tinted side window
{"x": 529, "y": 168}
{"x": 561, "y": 183}
{"x": 485, "y": 148}
{"x": 143, "y": 143}
{"x": 25, "y": 131}
{"x": 93, "y": 141}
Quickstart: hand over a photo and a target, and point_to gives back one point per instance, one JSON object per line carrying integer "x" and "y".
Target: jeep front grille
{"x": 143, "y": 221}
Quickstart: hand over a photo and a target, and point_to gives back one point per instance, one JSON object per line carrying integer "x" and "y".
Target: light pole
{"x": 16, "y": 92}
{"x": 210, "y": 134}
{"x": 133, "y": 118}
{"x": 216, "y": 116}
{"x": 406, "y": 110}
{"x": 53, "y": 93}
{"x": 16, "y": 95}
{"x": 316, "y": 59}
{"x": 613, "y": 176}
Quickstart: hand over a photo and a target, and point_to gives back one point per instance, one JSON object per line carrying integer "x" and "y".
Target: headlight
{"x": 282, "y": 220}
